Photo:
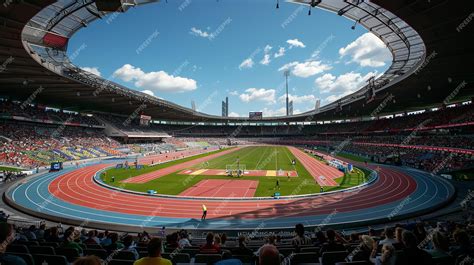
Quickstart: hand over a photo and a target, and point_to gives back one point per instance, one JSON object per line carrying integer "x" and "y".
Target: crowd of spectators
{"x": 444, "y": 243}
{"x": 33, "y": 145}
{"x": 428, "y": 160}
{"x": 35, "y": 112}
{"x": 417, "y": 122}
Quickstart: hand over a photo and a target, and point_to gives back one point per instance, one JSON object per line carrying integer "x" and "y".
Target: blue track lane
{"x": 431, "y": 192}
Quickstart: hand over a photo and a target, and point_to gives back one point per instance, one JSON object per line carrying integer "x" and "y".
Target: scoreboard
{"x": 255, "y": 115}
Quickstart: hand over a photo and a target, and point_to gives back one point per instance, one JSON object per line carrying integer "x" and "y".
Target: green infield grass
{"x": 252, "y": 157}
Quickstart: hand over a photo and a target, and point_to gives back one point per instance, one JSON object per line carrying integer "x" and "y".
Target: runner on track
{"x": 204, "y": 212}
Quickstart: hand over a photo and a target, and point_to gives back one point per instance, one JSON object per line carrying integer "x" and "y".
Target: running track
{"x": 225, "y": 188}
{"x": 168, "y": 170}
{"x": 74, "y": 196}
{"x": 321, "y": 172}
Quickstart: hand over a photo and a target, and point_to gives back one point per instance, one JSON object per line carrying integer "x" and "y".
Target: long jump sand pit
{"x": 246, "y": 173}
{"x": 228, "y": 188}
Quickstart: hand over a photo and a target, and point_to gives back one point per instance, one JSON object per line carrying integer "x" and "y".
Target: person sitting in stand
{"x": 210, "y": 246}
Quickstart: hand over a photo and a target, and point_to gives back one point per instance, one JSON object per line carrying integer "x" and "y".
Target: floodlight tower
{"x": 287, "y": 74}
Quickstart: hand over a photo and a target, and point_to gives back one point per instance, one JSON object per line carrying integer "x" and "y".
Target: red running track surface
{"x": 168, "y": 170}
{"x": 321, "y": 172}
{"x": 77, "y": 187}
{"x": 228, "y": 188}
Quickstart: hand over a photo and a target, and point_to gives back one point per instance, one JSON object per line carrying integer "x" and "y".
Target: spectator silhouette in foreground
{"x": 411, "y": 254}
{"x": 6, "y": 237}
{"x": 269, "y": 255}
{"x": 88, "y": 260}
{"x": 154, "y": 254}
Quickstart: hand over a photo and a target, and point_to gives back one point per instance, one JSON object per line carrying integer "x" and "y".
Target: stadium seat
{"x": 50, "y": 259}
{"x": 29, "y": 243}
{"x": 139, "y": 249}
{"x": 17, "y": 248}
{"x": 124, "y": 255}
{"x": 94, "y": 246}
{"x": 121, "y": 262}
{"x": 42, "y": 250}
{"x": 50, "y": 244}
{"x": 25, "y": 256}
{"x": 207, "y": 258}
{"x": 354, "y": 263}
{"x": 310, "y": 249}
{"x": 307, "y": 257}
{"x": 444, "y": 260}
{"x": 191, "y": 251}
{"x": 330, "y": 258}
{"x": 177, "y": 257}
{"x": 244, "y": 258}
{"x": 70, "y": 253}
{"x": 100, "y": 253}
{"x": 286, "y": 251}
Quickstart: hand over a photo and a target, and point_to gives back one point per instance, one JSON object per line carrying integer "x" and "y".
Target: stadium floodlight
{"x": 278, "y": 3}
{"x": 287, "y": 74}
{"x": 354, "y": 26}
{"x": 314, "y": 3}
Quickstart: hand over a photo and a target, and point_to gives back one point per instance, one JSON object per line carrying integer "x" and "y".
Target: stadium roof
{"x": 429, "y": 42}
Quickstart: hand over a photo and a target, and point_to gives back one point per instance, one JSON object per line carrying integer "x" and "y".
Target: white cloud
{"x": 234, "y": 114}
{"x": 247, "y": 63}
{"x": 305, "y": 69}
{"x": 270, "y": 112}
{"x": 93, "y": 70}
{"x": 367, "y": 50}
{"x": 266, "y": 59}
{"x": 287, "y": 66}
{"x": 148, "y": 92}
{"x": 280, "y": 53}
{"x": 298, "y": 99}
{"x": 258, "y": 94}
{"x": 342, "y": 85}
{"x": 151, "y": 93}
{"x": 267, "y": 49}
{"x": 155, "y": 81}
{"x": 200, "y": 33}
{"x": 295, "y": 43}
{"x": 233, "y": 93}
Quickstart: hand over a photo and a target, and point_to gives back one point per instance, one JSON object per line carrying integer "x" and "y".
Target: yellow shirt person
{"x": 153, "y": 261}
{"x": 154, "y": 254}
{"x": 204, "y": 212}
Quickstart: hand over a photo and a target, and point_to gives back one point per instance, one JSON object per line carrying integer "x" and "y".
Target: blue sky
{"x": 207, "y": 50}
